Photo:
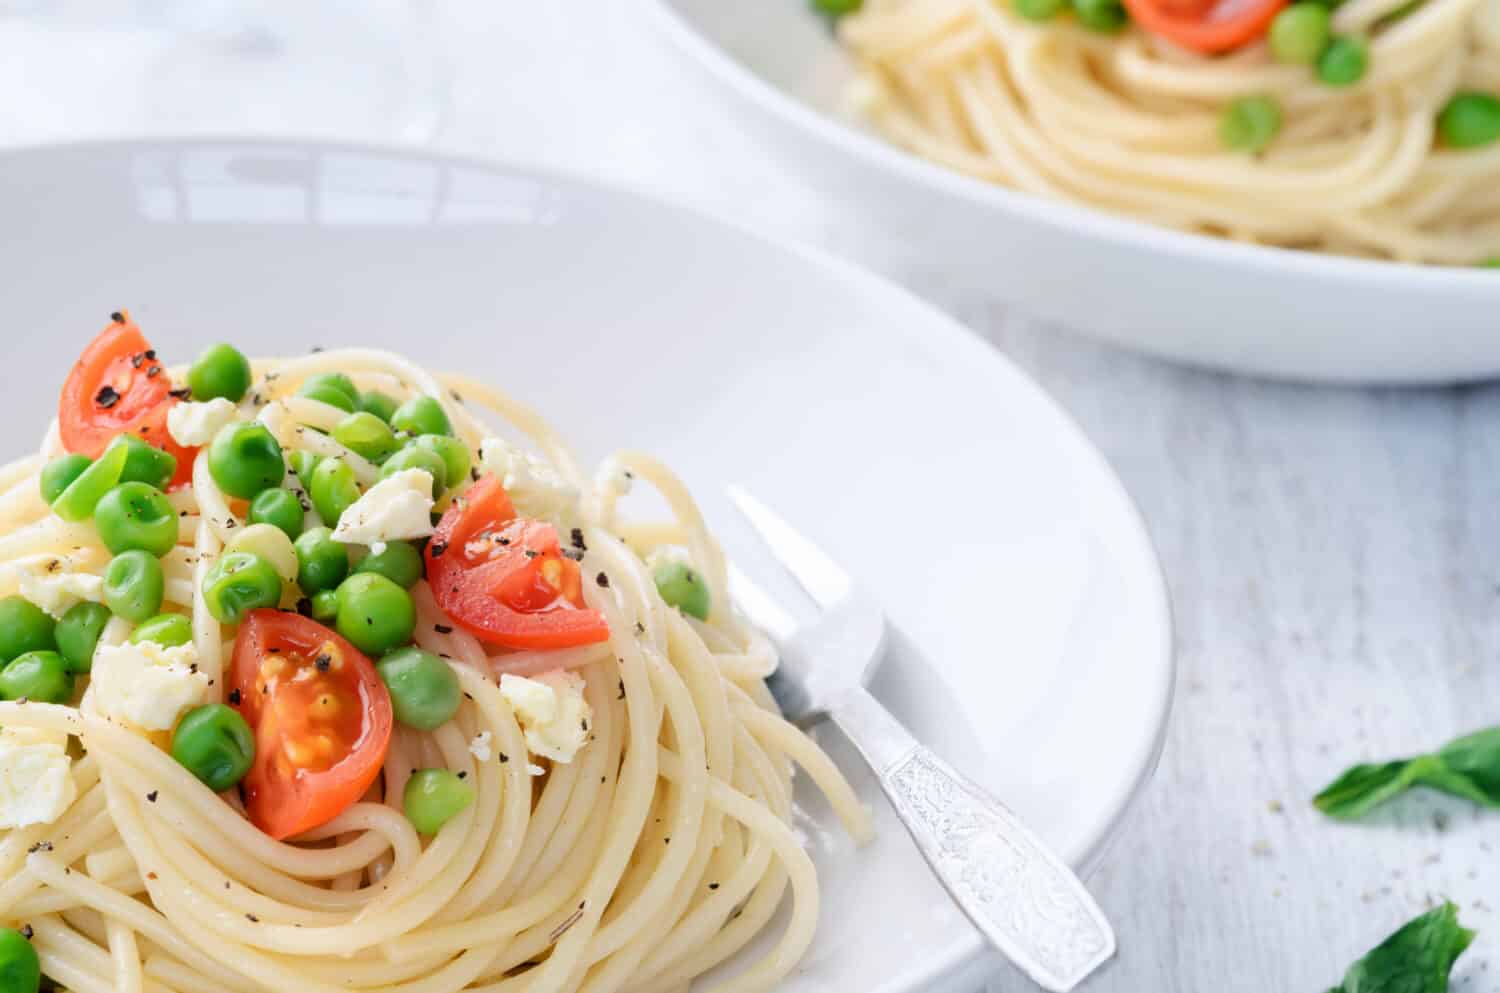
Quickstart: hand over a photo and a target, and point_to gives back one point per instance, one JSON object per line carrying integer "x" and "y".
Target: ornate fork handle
{"x": 1018, "y": 893}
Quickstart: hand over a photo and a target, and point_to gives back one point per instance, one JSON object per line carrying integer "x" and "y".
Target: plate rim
{"x": 941, "y": 326}
{"x": 1123, "y": 231}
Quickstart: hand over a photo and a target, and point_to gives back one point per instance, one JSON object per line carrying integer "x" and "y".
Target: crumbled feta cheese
{"x": 36, "y": 781}
{"x": 396, "y": 508}
{"x": 480, "y": 746}
{"x": 553, "y": 713}
{"x": 194, "y": 424}
{"x": 612, "y": 479}
{"x": 534, "y": 486}
{"x": 532, "y": 769}
{"x": 148, "y": 685}
{"x": 56, "y": 590}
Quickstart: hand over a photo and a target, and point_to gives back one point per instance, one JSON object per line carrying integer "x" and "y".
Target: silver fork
{"x": 1020, "y": 895}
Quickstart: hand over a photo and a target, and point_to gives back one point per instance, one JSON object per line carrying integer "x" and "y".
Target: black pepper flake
{"x": 151, "y": 354}
{"x": 137, "y": 360}
{"x": 504, "y": 757}
{"x": 713, "y": 886}
{"x": 502, "y": 541}
{"x": 622, "y": 690}
{"x": 235, "y": 696}
{"x": 230, "y": 524}
{"x": 577, "y": 538}
{"x": 41, "y": 846}
{"x": 27, "y": 932}
{"x": 252, "y": 918}
{"x": 473, "y": 474}
{"x": 531, "y": 554}
{"x": 667, "y": 839}
{"x": 437, "y": 548}
{"x": 442, "y": 629}
{"x": 117, "y": 317}
{"x": 323, "y": 662}
{"x": 107, "y": 396}
{"x": 153, "y": 372}
{"x": 152, "y": 796}
{"x": 584, "y": 724}
{"x": 602, "y": 580}
{"x": 184, "y": 393}
{"x": 640, "y": 628}
{"x": 573, "y": 554}
{"x": 463, "y": 775}
{"x": 316, "y": 349}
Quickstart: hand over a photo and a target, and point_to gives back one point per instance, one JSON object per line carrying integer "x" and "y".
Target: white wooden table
{"x": 1334, "y": 555}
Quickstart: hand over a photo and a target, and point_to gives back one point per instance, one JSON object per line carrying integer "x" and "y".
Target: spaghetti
{"x": 1385, "y": 147}
{"x": 654, "y": 855}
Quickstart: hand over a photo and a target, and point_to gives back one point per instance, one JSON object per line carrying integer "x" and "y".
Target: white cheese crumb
{"x": 147, "y": 685}
{"x": 480, "y": 746}
{"x": 36, "y": 781}
{"x": 532, "y": 769}
{"x": 396, "y": 508}
{"x": 534, "y": 486}
{"x": 57, "y": 590}
{"x": 194, "y": 424}
{"x": 612, "y": 479}
{"x": 552, "y": 711}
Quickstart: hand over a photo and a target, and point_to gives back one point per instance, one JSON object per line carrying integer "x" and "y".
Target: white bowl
{"x": 1207, "y": 301}
{"x": 1033, "y": 645}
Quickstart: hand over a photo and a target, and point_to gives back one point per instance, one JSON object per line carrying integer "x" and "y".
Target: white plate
{"x": 780, "y": 73}
{"x": 1000, "y": 541}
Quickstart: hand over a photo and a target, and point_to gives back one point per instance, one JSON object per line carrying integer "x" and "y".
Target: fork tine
{"x": 819, "y": 575}
{"x": 759, "y": 607}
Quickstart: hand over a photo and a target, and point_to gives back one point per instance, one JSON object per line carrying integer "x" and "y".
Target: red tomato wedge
{"x": 505, "y": 578}
{"x": 321, "y": 716}
{"x": 117, "y": 386}
{"x": 1211, "y": 26}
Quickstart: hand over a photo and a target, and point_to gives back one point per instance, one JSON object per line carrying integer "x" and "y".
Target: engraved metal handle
{"x": 1018, "y": 893}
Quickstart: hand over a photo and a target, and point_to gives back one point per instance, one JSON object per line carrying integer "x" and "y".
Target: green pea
{"x": 77, "y": 502}
{"x": 332, "y": 388}
{"x": 1469, "y": 120}
{"x": 244, "y": 459}
{"x": 452, "y": 451}
{"x": 1107, "y": 16}
{"x": 24, "y": 627}
{"x": 367, "y": 435}
{"x": 322, "y": 563}
{"x": 238, "y": 583}
{"x": 20, "y": 968}
{"x": 134, "y": 585}
{"x": 1343, "y": 62}
{"x": 145, "y": 463}
{"x": 214, "y": 743}
{"x": 166, "y": 630}
{"x": 433, "y": 797}
{"x": 221, "y": 371}
{"x": 421, "y": 415}
{"x": 135, "y": 515}
{"x": 60, "y": 472}
{"x": 682, "y": 587}
{"x": 1038, "y": 10}
{"x": 375, "y": 614}
{"x": 1299, "y": 33}
{"x": 380, "y": 404}
{"x": 836, "y": 8}
{"x": 39, "y": 676}
{"x": 332, "y": 489}
{"x": 424, "y": 691}
{"x": 78, "y": 634}
{"x": 1249, "y": 124}
{"x": 304, "y": 464}
{"x": 428, "y": 461}
{"x": 278, "y": 508}
{"x": 325, "y": 606}
{"x": 398, "y": 561}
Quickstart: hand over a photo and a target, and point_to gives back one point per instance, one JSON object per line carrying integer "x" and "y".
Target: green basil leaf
{"x": 1468, "y": 767}
{"x": 1476, "y": 759}
{"x": 1416, "y": 959}
{"x": 1362, "y": 788}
